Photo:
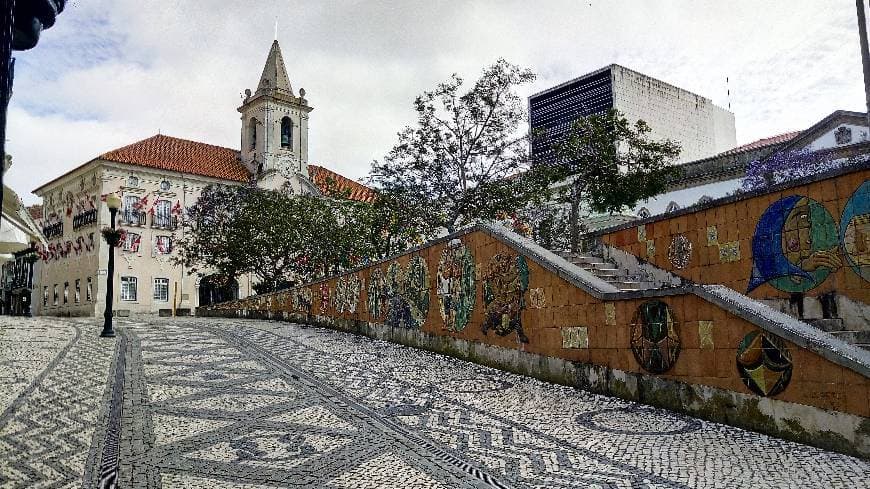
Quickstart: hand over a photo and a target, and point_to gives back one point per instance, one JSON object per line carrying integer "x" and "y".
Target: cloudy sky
{"x": 112, "y": 72}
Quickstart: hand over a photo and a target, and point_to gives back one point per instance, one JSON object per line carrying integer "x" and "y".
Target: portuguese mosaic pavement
{"x": 198, "y": 403}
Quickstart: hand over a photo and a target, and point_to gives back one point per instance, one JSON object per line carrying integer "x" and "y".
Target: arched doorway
{"x": 217, "y": 288}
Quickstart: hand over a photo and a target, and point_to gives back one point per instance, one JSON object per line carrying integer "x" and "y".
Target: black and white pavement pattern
{"x": 214, "y": 403}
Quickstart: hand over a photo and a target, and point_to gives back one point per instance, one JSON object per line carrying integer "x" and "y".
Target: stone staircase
{"x": 631, "y": 276}
{"x": 837, "y": 329}
{"x": 624, "y": 279}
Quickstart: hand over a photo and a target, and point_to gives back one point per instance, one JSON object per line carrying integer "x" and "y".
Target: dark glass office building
{"x": 552, "y": 111}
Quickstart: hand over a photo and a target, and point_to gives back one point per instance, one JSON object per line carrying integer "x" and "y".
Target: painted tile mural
{"x": 347, "y": 293}
{"x": 407, "y": 293}
{"x": 376, "y": 300}
{"x": 324, "y": 297}
{"x": 855, "y": 231}
{"x": 795, "y": 246}
{"x": 456, "y": 286}
{"x": 680, "y": 251}
{"x": 302, "y": 300}
{"x": 505, "y": 284}
{"x": 655, "y": 338}
{"x": 764, "y": 363}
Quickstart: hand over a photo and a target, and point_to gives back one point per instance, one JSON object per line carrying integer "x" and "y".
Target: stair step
{"x": 605, "y": 272}
{"x": 854, "y": 337}
{"x": 864, "y": 346}
{"x": 829, "y": 325}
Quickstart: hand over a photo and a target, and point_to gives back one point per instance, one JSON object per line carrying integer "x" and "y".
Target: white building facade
{"x": 157, "y": 178}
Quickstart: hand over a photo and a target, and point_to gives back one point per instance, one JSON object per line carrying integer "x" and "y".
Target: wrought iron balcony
{"x": 133, "y": 218}
{"x": 164, "y": 222}
{"x": 53, "y": 230}
{"x": 84, "y": 219}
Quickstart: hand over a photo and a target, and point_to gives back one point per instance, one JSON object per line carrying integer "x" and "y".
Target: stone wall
{"x": 804, "y": 248}
{"x": 489, "y": 296}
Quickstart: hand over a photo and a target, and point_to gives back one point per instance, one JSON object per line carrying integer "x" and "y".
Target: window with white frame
{"x": 78, "y": 291}
{"x": 162, "y": 213}
{"x": 130, "y": 213}
{"x": 131, "y": 242}
{"x": 128, "y": 288}
{"x": 161, "y": 289}
{"x": 165, "y": 185}
{"x": 132, "y": 181}
{"x": 89, "y": 290}
{"x": 162, "y": 245}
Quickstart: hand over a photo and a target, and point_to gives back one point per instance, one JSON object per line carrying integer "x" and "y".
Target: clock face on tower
{"x": 287, "y": 167}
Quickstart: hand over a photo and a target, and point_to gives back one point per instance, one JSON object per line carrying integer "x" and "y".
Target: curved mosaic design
{"x": 407, "y": 293}
{"x": 504, "y": 288}
{"x": 764, "y": 363}
{"x": 855, "y": 231}
{"x": 680, "y": 252}
{"x": 456, "y": 287}
{"x": 641, "y": 420}
{"x": 375, "y": 297}
{"x": 655, "y": 338}
{"x": 795, "y": 246}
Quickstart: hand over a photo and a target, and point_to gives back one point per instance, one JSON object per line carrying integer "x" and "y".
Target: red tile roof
{"x": 183, "y": 156}
{"x": 322, "y": 178}
{"x": 35, "y": 211}
{"x": 761, "y": 143}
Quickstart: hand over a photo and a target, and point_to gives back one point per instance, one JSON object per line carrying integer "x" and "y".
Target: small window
{"x": 78, "y": 291}
{"x": 55, "y": 294}
{"x": 161, "y": 289}
{"x": 131, "y": 242}
{"x": 252, "y": 128}
{"x": 128, "y": 288}
{"x": 132, "y": 181}
{"x": 44, "y": 295}
{"x": 89, "y": 290}
{"x": 65, "y": 292}
{"x": 163, "y": 245}
{"x": 286, "y": 133}
{"x": 165, "y": 185}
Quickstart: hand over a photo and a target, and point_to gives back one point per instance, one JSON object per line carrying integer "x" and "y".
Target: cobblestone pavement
{"x": 210, "y": 403}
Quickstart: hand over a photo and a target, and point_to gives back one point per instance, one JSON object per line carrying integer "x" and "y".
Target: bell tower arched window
{"x": 286, "y": 133}
{"x": 253, "y": 133}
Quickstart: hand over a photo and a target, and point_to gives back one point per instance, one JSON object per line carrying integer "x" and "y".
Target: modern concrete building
{"x": 156, "y": 179}
{"x": 702, "y": 128}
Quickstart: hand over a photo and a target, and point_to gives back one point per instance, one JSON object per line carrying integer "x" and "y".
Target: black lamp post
{"x": 112, "y": 239}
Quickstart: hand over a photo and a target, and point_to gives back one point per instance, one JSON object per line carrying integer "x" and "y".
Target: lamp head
{"x": 113, "y": 201}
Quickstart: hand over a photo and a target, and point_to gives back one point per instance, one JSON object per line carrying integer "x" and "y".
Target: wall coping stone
{"x": 728, "y": 199}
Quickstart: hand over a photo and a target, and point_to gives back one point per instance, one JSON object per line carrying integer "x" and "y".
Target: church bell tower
{"x": 275, "y": 129}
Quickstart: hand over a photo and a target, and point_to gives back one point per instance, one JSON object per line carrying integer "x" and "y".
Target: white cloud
{"x": 115, "y": 71}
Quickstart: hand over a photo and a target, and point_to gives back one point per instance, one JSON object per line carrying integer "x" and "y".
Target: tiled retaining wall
{"x": 548, "y": 319}
{"x": 760, "y": 245}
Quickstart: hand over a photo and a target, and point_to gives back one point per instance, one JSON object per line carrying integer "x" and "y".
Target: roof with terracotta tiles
{"x": 761, "y": 143}
{"x": 183, "y": 156}
{"x": 323, "y": 178}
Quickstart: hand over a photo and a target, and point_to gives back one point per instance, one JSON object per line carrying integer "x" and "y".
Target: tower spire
{"x": 274, "y": 77}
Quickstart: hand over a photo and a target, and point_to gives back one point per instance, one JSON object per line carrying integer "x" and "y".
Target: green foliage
{"x": 609, "y": 164}
{"x": 463, "y": 159}
{"x": 285, "y": 239}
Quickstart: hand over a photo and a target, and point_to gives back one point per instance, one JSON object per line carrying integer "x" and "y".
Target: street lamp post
{"x": 114, "y": 203}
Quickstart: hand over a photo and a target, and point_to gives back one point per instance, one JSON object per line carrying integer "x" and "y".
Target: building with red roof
{"x": 156, "y": 179}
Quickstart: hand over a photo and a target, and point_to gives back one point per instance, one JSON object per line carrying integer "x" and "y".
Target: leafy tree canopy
{"x": 466, "y": 155}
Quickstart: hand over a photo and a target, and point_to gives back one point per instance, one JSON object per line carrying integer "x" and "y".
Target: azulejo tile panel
{"x": 655, "y": 339}
{"x": 764, "y": 362}
{"x": 504, "y": 290}
{"x": 456, "y": 286}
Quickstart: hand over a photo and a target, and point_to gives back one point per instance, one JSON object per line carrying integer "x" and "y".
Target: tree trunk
{"x": 575, "y": 220}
